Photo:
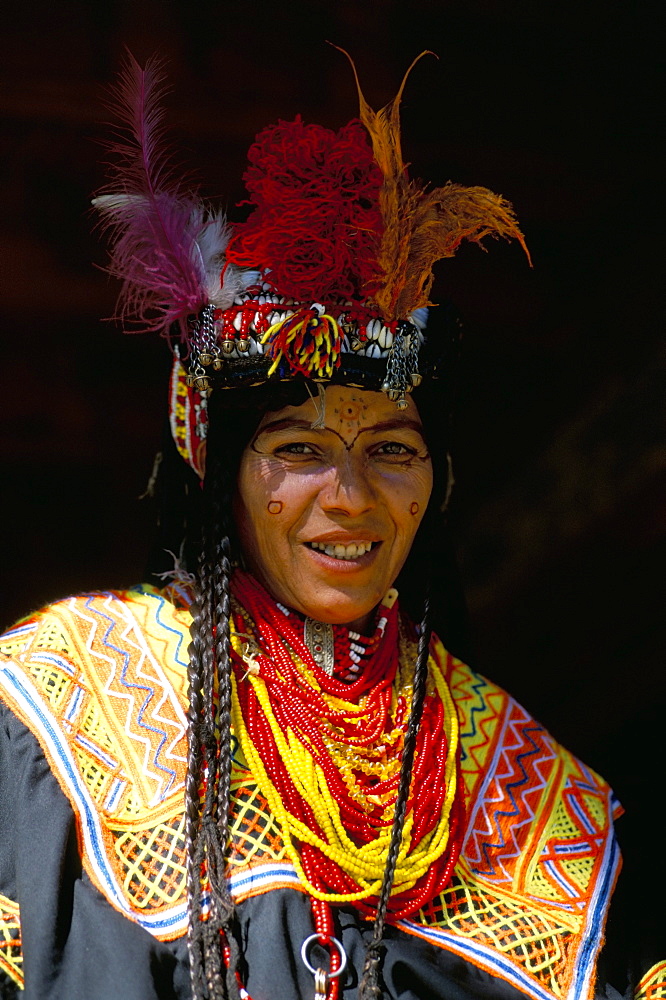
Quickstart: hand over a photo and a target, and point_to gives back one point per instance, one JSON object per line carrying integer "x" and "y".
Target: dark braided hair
{"x": 209, "y": 747}
{"x": 205, "y": 514}
{"x": 369, "y": 987}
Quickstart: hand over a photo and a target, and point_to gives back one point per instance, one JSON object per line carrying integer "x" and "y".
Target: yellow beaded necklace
{"x": 361, "y": 863}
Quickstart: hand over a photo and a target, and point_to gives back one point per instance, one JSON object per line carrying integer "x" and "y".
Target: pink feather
{"x": 167, "y": 247}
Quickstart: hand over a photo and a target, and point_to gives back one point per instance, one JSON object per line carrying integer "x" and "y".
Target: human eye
{"x": 394, "y": 451}
{"x": 289, "y": 444}
{"x": 295, "y": 448}
{"x": 297, "y": 451}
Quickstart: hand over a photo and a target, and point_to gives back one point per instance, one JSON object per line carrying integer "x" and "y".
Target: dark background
{"x": 559, "y": 453}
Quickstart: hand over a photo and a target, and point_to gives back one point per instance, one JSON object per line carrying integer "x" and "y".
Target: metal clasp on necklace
{"x": 321, "y": 977}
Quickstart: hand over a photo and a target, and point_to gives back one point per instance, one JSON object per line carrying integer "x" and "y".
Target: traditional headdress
{"x": 328, "y": 279}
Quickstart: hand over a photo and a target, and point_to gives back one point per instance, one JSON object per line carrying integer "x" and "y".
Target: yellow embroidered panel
{"x": 101, "y": 680}
{"x": 539, "y": 859}
{"x": 11, "y": 957}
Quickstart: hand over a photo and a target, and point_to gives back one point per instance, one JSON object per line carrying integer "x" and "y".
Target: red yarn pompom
{"x": 316, "y": 225}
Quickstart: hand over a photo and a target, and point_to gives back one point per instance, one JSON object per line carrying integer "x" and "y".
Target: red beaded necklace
{"x": 352, "y": 733}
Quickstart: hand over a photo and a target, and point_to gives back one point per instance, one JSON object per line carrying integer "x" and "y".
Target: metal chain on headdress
{"x": 402, "y": 366}
{"x": 203, "y": 349}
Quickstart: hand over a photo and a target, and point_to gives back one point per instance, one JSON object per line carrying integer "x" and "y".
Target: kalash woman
{"x": 269, "y": 778}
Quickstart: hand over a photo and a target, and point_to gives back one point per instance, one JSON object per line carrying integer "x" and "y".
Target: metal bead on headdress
{"x": 329, "y": 277}
{"x": 204, "y": 350}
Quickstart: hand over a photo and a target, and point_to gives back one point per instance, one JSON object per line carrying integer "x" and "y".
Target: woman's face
{"x": 327, "y": 515}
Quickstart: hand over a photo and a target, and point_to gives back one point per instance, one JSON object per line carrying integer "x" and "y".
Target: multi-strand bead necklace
{"x": 326, "y": 754}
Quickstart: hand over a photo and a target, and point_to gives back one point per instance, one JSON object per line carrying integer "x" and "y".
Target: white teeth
{"x": 339, "y": 551}
{"x": 373, "y": 350}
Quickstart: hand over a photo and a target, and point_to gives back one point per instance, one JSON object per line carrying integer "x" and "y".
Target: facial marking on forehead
{"x": 348, "y": 414}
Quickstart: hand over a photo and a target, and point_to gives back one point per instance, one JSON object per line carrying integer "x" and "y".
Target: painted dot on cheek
{"x": 275, "y": 507}
{"x": 414, "y": 509}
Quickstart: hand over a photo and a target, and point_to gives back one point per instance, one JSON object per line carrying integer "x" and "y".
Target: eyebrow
{"x": 393, "y": 425}
{"x": 279, "y": 425}
{"x": 385, "y": 425}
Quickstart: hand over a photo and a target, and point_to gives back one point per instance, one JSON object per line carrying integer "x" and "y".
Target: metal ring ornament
{"x": 329, "y": 939}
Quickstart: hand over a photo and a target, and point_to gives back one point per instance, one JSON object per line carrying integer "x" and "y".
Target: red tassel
{"x": 316, "y": 225}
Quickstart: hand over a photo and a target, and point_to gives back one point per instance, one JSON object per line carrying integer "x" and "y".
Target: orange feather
{"x": 422, "y": 226}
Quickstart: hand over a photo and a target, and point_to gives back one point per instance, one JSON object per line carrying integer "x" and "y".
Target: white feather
{"x": 112, "y": 202}
{"x": 420, "y": 317}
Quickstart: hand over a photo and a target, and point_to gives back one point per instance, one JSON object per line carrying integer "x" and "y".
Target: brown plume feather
{"x": 421, "y": 226}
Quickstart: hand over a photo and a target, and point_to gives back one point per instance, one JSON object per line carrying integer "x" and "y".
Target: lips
{"x": 340, "y": 550}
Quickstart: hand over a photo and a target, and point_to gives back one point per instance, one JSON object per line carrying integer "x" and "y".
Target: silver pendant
{"x": 319, "y": 639}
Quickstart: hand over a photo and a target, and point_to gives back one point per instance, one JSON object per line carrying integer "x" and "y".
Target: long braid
{"x": 205, "y": 966}
{"x": 369, "y": 987}
{"x": 209, "y": 740}
{"x": 192, "y": 802}
{"x": 221, "y": 506}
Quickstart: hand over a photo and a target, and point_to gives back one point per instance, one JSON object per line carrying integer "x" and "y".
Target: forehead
{"x": 347, "y": 407}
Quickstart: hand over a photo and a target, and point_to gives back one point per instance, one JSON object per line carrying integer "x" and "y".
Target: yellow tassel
{"x": 318, "y": 356}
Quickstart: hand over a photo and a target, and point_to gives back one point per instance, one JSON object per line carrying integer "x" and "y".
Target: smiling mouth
{"x": 337, "y": 550}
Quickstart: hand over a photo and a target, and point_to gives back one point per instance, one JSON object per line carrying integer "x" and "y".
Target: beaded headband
{"x": 327, "y": 280}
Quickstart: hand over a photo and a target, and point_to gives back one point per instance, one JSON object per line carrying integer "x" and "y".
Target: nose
{"x": 347, "y": 489}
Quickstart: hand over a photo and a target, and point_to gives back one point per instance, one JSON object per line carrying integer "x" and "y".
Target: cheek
{"x": 265, "y": 505}
{"x": 260, "y": 485}
{"x": 409, "y": 488}
{"x": 253, "y": 506}
{"x": 409, "y": 495}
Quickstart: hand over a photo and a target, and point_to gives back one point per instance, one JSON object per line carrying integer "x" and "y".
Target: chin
{"x": 339, "y": 609}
